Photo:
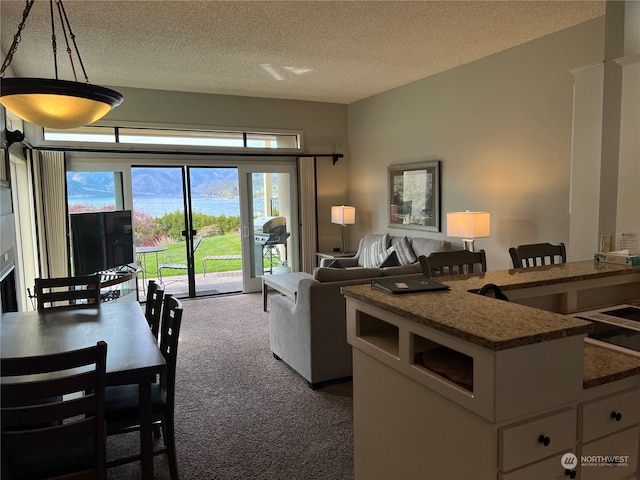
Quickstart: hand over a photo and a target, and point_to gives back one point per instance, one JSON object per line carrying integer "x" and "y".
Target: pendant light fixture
{"x": 55, "y": 103}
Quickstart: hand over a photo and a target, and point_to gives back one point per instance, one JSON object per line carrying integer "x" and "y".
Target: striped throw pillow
{"x": 375, "y": 253}
{"x": 404, "y": 251}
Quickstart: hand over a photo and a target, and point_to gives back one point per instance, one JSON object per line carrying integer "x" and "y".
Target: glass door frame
{"x": 250, "y": 282}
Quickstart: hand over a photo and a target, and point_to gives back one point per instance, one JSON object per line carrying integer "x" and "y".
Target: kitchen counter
{"x": 474, "y": 318}
{"x": 603, "y": 365}
{"x": 518, "y": 382}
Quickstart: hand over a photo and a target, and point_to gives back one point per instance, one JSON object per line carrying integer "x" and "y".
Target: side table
{"x": 141, "y": 252}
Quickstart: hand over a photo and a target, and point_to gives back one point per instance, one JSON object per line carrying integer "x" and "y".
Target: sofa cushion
{"x": 426, "y": 246}
{"x": 410, "y": 269}
{"x": 403, "y": 249}
{"x": 335, "y": 264}
{"x": 375, "y": 253}
{"x": 323, "y": 274}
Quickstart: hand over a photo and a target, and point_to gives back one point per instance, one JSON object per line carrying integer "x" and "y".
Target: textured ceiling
{"x": 330, "y": 51}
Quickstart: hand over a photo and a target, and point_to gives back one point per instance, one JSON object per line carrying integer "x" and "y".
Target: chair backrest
{"x": 51, "y": 426}
{"x": 536, "y": 254}
{"x": 169, "y": 336}
{"x": 196, "y": 243}
{"x": 456, "y": 262}
{"x": 68, "y": 292}
{"x": 153, "y": 307}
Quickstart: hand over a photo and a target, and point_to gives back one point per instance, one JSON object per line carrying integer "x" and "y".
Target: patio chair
{"x": 170, "y": 265}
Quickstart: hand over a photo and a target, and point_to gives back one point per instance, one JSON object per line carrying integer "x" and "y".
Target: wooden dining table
{"x": 133, "y": 356}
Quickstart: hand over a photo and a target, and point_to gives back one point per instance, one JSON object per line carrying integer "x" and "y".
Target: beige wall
{"x": 502, "y": 128}
{"x": 324, "y": 126}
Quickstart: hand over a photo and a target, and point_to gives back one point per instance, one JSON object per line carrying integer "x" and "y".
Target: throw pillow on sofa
{"x": 390, "y": 261}
{"x": 375, "y": 253}
{"x": 404, "y": 251}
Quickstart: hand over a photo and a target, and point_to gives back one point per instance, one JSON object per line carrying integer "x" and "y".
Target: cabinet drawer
{"x": 549, "y": 468}
{"x": 609, "y": 415}
{"x": 525, "y": 442}
{"x": 621, "y": 444}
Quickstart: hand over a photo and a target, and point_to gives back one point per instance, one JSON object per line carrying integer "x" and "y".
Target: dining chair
{"x": 153, "y": 306}
{"x": 68, "y": 292}
{"x": 63, "y": 438}
{"x": 536, "y": 254}
{"x": 455, "y": 262}
{"x": 121, "y": 402}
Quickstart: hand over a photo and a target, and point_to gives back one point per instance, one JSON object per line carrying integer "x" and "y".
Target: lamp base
{"x": 468, "y": 244}
{"x": 343, "y": 248}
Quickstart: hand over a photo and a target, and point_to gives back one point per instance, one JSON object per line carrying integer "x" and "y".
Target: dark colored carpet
{"x": 240, "y": 413}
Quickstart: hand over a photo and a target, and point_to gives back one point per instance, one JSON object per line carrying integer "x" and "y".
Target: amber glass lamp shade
{"x": 58, "y": 104}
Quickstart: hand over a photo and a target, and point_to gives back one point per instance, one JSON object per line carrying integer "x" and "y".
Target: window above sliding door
{"x": 131, "y": 136}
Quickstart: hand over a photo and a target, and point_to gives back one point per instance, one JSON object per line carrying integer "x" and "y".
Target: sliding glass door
{"x": 187, "y": 228}
{"x": 269, "y": 213}
{"x": 202, "y": 230}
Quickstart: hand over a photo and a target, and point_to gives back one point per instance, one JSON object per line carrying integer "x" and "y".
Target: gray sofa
{"x": 310, "y": 335}
{"x": 418, "y": 246}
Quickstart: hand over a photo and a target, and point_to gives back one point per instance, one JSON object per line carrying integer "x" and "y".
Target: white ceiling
{"x": 329, "y": 51}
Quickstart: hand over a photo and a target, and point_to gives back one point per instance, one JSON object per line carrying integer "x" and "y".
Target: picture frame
{"x": 414, "y": 196}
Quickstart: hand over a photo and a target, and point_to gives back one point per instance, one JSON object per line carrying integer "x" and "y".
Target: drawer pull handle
{"x": 570, "y": 473}
{"x": 544, "y": 440}
{"x": 617, "y": 416}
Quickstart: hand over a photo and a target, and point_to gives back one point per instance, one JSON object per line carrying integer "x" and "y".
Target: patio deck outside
{"x": 216, "y": 283}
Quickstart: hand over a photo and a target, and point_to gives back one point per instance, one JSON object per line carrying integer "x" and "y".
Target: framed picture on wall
{"x": 414, "y": 196}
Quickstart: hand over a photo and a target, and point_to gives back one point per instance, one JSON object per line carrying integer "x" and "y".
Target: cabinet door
{"x": 550, "y": 468}
{"x": 622, "y": 444}
{"x": 609, "y": 415}
{"x": 537, "y": 439}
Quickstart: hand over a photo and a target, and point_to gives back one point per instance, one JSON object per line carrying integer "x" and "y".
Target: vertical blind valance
{"x": 49, "y": 189}
{"x": 308, "y": 221}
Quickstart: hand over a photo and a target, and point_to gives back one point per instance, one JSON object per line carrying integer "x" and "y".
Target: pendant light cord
{"x": 16, "y": 38}
{"x": 66, "y": 30}
{"x": 64, "y": 20}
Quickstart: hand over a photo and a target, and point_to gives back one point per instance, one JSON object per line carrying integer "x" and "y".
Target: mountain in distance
{"x": 89, "y": 184}
{"x": 153, "y": 181}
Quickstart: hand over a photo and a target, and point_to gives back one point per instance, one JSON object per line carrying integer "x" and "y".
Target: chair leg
{"x": 170, "y": 443}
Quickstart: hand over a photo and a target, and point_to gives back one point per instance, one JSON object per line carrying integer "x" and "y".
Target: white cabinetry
{"x": 534, "y": 440}
{"x": 431, "y": 405}
{"x": 609, "y": 428}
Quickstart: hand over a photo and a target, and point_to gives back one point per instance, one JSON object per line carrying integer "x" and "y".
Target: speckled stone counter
{"x": 518, "y": 384}
{"x": 603, "y": 365}
{"x": 497, "y": 326}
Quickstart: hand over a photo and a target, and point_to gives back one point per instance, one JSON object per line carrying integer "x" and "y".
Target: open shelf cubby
{"x": 378, "y": 333}
{"x": 443, "y": 361}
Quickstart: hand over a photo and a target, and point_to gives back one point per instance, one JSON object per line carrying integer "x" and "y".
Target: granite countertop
{"x": 476, "y": 319}
{"x": 603, "y": 365}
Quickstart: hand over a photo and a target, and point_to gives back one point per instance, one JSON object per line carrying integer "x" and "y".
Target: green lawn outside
{"x": 218, "y": 245}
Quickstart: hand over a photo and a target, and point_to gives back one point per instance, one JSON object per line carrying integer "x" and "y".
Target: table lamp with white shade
{"x": 468, "y": 226}
{"x": 343, "y": 215}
